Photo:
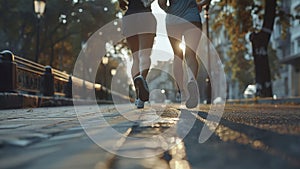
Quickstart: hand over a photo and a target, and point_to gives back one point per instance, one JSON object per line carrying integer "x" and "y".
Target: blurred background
{"x": 54, "y": 32}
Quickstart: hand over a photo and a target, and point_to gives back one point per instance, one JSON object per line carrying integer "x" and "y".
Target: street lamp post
{"x": 113, "y": 72}
{"x": 39, "y": 9}
{"x": 63, "y": 21}
{"x": 208, "y": 82}
{"x": 105, "y": 62}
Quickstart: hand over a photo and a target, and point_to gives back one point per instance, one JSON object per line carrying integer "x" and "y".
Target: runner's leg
{"x": 145, "y": 48}
{"x": 133, "y": 44}
{"x": 192, "y": 39}
{"x": 175, "y": 37}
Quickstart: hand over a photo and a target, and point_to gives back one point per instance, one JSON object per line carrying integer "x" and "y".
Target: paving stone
{"x": 19, "y": 142}
{"x": 11, "y": 126}
{"x": 67, "y": 136}
{"x": 21, "y": 159}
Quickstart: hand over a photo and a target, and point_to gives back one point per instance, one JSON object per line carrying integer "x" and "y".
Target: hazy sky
{"x": 162, "y": 42}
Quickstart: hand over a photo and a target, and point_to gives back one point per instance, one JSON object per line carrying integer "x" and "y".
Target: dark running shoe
{"x": 142, "y": 87}
{"x": 192, "y": 101}
{"x": 139, "y": 103}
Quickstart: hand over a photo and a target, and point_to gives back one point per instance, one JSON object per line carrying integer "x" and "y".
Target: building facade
{"x": 288, "y": 52}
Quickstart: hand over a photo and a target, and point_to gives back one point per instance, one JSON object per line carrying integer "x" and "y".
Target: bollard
{"x": 68, "y": 88}
{"x": 8, "y": 72}
{"x": 47, "y": 82}
{"x": 208, "y": 92}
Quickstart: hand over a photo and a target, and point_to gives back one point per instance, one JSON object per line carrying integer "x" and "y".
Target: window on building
{"x": 297, "y": 11}
{"x": 283, "y": 51}
{"x": 293, "y": 48}
{"x": 277, "y": 31}
{"x": 279, "y": 52}
{"x": 286, "y": 86}
{"x": 298, "y": 46}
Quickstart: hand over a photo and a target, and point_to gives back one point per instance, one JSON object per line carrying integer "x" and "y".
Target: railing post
{"x": 47, "y": 86}
{"x": 8, "y": 72}
{"x": 68, "y": 88}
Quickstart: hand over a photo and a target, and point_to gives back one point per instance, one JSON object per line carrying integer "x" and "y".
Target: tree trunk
{"x": 260, "y": 42}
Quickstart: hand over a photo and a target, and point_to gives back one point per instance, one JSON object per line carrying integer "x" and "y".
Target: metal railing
{"x": 23, "y": 76}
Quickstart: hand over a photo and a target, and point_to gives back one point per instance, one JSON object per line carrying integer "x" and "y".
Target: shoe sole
{"x": 142, "y": 91}
{"x": 192, "y": 101}
{"x": 140, "y": 107}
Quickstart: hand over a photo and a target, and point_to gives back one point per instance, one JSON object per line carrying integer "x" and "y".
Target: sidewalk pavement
{"x": 22, "y": 101}
{"x": 54, "y": 138}
{"x": 270, "y": 100}
{"x": 248, "y": 136}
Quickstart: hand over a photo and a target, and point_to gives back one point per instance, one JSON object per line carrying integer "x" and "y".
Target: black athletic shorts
{"x": 136, "y": 6}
